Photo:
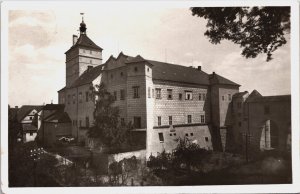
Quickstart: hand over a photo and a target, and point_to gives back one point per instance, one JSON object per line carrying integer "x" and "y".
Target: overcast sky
{"x": 38, "y": 40}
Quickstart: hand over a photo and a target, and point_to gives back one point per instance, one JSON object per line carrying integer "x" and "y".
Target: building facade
{"x": 262, "y": 123}
{"x": 25, "y": 116}
{"x": 164, "y": 101}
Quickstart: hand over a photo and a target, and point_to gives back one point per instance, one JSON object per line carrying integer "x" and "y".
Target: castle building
{"x": 262, "y": 123}
{"x": 163, "y": 101}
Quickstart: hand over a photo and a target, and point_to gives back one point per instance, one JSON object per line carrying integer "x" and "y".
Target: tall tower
{"x": 83, "y": 54}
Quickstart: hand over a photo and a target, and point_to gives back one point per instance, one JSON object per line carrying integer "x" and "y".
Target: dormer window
{"x": 148, "y": 69}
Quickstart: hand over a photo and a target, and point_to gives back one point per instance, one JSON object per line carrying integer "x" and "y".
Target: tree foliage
{"x": 256, "y": 29}
{"x": 185, "y": 155}
{"x": 107, "y": 126}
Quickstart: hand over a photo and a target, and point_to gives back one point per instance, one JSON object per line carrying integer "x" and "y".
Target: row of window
{"x": 189, "y": 120}
{"x": 88, "y": 51}
{"x": 80, "y": 98}
{"x": 158, "y": 94}
{"x": 121, "y": 73}
{"x": 229, "y": 97}
{"x": 87, "y": 123}
{"x": 170, "y": 96}
{"x": 161, "y": 136}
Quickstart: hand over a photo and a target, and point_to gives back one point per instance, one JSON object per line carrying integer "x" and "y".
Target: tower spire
{"x": 82, "y": 27}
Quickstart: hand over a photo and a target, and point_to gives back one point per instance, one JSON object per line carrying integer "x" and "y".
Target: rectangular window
{"x": 266, "y": 110}
{"x": 158, "y": 93}
{"x": 136, "y": 92}
{"x": 206, "y": 139}
{"x": 161, "y": 137}
{"x": 87, "y": 122}
{"x": 80, "y": 97}
{"x": 86, "y": 96}
{"x": 229, "y": 97}
{"x": 188, "y": 95}
{"x": 169, "y": 94}
{"x": 170, "y": 120}
{"x": 122, "y": 94}
{"x": 115, "y": 95}
{"x": 200, "y": 97}
{"x": 202, "y": 119}
{"x": 149, "y": 92}
{"x": 74, "y": 99}
{"x": 189, "y": 118}
{"x": 159, "y": 120}
{"x": 223, "y": 98}
{"x": 31, "y": 134}
{"x": 137, "y": 122}
{"x": 180, "y": 96}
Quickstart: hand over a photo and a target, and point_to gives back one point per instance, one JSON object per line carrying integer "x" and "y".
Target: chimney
{"x": 75, "y": 37}
{"x": 16, "y": 107}
{"x": 214, "y": 73}
{"x": 89, "y": 67}
{"x": 199, "y": 68}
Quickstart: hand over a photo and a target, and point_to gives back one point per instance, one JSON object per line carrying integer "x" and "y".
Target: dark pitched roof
{"x": 178, "y": 73}
{"x": 88, "y": 76}
{"x": 54, "y": 107}
{"x": 29, "y": 127}
{"x": 62, "y": 89}
{"x": 25, "y": 110}
{"x": 58, "y": 116}
{"x": 239, "y": 94}
{"x": 161, "y": 71}
{"x": 217, "y": 79}
{"x": 85, "y": 41}
{"x": 253, "y": 96}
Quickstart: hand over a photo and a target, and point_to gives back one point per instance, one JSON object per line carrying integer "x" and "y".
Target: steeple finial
{"x": 82, "y": 27}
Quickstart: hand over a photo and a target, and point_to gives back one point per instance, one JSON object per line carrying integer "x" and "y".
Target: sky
{"x": 38, "y": 40}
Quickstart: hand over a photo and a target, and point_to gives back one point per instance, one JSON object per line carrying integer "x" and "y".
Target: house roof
{"x": 85, "y": 41}
{"x": 29, "y": 127}
{"x": 178, "y": 73}
{"x": 58, "y": 116}
{"x": 160, "y": 71}
{"x": 88, "y": 76}
{"x": 25, "y": 110}
{"x": 239, "y": 94}
{"x": 53, "y": 107}
{"x": 253, "y": 96}
{"x": 217, "y": 79}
